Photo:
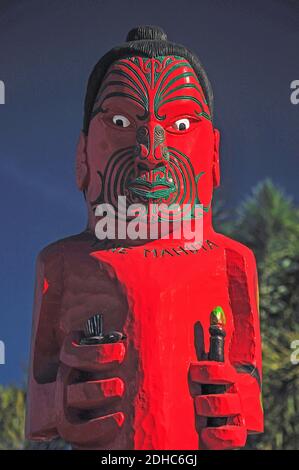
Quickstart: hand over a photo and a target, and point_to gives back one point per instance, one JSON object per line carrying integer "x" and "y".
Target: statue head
{"x": 148, "y": 127}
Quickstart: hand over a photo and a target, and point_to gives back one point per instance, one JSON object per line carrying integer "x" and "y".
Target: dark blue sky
{"x": 47, "y": 49}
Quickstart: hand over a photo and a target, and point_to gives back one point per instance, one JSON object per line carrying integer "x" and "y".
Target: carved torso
{"x": 160, "y": 295}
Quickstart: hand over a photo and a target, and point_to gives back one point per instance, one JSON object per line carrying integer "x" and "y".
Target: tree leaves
{"x": 268, "y": 222}
{"x": 12, "y": 418}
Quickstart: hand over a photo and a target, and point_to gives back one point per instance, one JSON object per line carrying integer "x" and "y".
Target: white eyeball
{"x": 182, "y": 124}
{"x": 121, "y": 121}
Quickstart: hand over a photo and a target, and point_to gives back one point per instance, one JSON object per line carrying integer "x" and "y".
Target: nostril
{"x": 142, "y": 167}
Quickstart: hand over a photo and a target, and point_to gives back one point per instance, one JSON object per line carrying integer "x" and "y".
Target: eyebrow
{"x": 120, "y": 109}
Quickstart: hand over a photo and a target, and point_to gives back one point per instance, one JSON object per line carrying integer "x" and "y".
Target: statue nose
{"x": 151, "y": 144}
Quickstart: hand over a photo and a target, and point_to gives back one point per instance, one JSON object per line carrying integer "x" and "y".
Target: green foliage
{"x": 12, "y": 423}
{"x": 267, "y": 216}
{"x": 268, "y": 223}
{"x": 12, "y": 416}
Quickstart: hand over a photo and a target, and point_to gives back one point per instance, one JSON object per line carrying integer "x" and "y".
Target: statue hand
{"x": 81, "y": 395}
{"x": 231, "y": 434}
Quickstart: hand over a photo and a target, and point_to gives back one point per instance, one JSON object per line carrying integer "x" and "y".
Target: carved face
{"x": 151, "y": 137}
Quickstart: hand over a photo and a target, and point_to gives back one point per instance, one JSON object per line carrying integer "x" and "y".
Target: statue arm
{"x": 44, "y": 355}
{"x": 245, "y": 354}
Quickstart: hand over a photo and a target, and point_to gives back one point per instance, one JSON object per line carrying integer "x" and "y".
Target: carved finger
{"x": 212, "y": 372}
{"x": 100, "y": 430}
{"x": 92, "y": 394}
{"x": 95, "y": 357}
{"x": 227, "y": 404}
{"x": 223, "y": 437}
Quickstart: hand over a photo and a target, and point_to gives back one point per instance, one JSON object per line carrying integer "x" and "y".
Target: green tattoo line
{"x": 186, "y": 85}
{"x": 122, "y": 73}
{"x": 123, "y": 84}
{"x": 124, "y": 64}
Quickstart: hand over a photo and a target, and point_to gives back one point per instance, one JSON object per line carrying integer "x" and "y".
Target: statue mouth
{"x": 160, "y": 189}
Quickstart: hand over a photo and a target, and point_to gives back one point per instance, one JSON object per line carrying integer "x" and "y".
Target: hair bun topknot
{"x": 153, "y": 33}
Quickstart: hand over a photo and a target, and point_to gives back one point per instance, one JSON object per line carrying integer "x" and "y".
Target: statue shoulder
{"x": 236, "y": 249}
{"x": 50, "y": 263}
{"x": 50, "y": 252}
{"x": 55, "y": 251}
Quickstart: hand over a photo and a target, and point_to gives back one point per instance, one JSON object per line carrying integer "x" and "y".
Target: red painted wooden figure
{"x": 146, "y": 343}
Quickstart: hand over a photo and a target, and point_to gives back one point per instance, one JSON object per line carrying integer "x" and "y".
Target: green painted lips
{"x": 151, "y": 190}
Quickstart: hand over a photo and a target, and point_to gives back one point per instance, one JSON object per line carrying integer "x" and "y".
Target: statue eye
{"x": 182, "y": 124}
{"x": 120, "y": 121}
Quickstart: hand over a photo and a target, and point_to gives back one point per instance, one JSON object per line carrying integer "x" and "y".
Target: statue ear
{"x": 81, "y": 163}
{"x": 216, "y": 164}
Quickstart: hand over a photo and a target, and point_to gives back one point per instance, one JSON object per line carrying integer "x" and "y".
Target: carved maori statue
{"x": 146, "y": 343}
